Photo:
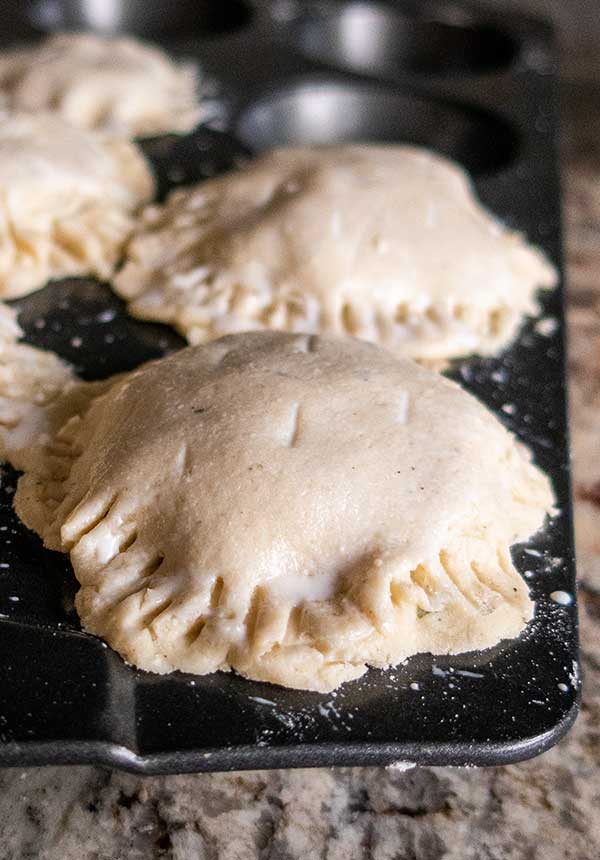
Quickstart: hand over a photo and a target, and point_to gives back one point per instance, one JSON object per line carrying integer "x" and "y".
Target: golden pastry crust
{"x": 67, "y": 201}
{"x": 116, "y": 85}
{"x": 386, "y": 243}
{"x": 293, "y": 507}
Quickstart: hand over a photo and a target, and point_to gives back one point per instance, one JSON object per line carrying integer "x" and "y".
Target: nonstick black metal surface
{"x": 481, "y": 91}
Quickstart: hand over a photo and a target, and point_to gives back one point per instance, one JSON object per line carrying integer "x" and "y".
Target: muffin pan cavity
{"x": 380, "y": 39}
{"x": 324, "y": 112}
{"x": 147, "y": 18}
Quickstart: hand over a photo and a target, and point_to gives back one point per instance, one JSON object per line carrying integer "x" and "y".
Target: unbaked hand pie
{"x": 116, "y": 85}
{"x": 294, "y": 507}
{"x": 387, "y": 243}
{"x": 67, "y": 201}
{"x": 10, "y": 331}
{"x": 31, "y": 381}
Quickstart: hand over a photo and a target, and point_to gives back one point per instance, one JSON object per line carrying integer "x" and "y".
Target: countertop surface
{"x": 545, "y": 808}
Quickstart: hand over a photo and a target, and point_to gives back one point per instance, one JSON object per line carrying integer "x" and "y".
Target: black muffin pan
{"x": 479, "y": 89}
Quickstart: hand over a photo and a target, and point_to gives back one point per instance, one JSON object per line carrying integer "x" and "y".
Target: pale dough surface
{"x": 68, "y": 199}
{"x": 10, "y": 331}
{"x": 294, "y": 507}
{"x": 32, "y": 382}
{"x": 387, "y": 243}
{"x": 116, "y": 85}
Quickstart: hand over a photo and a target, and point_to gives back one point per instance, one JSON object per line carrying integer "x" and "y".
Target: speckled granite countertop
{"x": 545, "y": 809}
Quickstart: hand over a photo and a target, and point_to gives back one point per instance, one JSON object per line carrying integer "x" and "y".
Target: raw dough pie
{"x": 294, "y": 507}
{"x": 67, "y": 200}
{"x": 31, "y": 381}
{"x": 117, "y": 85}
{"x": 10, "y": 330}
{"x": 385, "y": 243}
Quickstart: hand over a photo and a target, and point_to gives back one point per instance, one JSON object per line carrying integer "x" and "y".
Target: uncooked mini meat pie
{"x": 293, "y": 507}
{"x": 387, "y": 243}
{"x": 67, "y": 201}
{"x": 31, "y": 380}
{"x": 115, "y": 85}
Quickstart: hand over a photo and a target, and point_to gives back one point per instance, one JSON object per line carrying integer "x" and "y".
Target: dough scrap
{"x": 67, "y": 201}
{"x": 386, "y": 243}
{"x": 293, "y": 507}
{"x": 116, "y": 85}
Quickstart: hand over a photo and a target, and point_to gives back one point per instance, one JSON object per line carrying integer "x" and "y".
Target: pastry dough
{"x": 31, "y": 382}
{"x": 117, "y": 85}
{"x": 67, "y": 200}
{"x": 387, "y": 243}
{"x": 10, "y": 331}
{"x": 294, "y": 507}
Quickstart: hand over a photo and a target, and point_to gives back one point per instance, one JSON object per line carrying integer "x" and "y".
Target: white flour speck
{"x": 328, "y": 709}
{"x": 546, "y": 326}
{"x": 499, "y": 375}
{"x": 437, "y": 671}
{"x": 400, "y": 765}
{"x": 563, "y": 598}
{"x": 574, "y": 674}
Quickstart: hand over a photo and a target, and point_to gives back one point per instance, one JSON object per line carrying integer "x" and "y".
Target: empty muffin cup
{"x": 321, "y": 112}
{"x": 149, "y": 18}
{"x": 377, "y": 39}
